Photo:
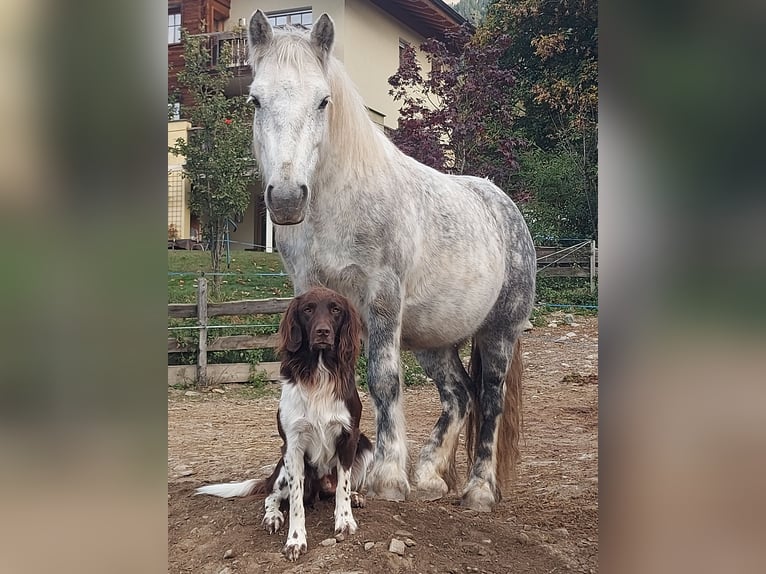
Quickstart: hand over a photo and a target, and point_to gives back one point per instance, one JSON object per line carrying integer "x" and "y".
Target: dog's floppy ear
{"x": 349, "y": 337}
{"x": 290, "y": 332}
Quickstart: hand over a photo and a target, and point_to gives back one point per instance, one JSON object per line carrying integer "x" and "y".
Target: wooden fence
{"x": 576, "y": 261}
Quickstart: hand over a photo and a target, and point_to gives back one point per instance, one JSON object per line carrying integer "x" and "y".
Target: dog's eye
{"x": 335, "y": 310}
{"x": 308, "y": 310}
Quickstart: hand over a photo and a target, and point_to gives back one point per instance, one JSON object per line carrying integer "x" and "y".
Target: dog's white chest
{"x": 313, "y": 419}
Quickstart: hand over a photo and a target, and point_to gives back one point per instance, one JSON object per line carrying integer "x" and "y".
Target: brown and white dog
{"x": 318, "y": 419}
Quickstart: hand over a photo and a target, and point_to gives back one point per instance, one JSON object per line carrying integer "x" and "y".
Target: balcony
{"x": 236, "y": 41}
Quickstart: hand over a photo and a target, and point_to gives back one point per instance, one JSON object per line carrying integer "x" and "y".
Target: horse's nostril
{"x": 304, "y": 191}
{"x": 269, "y": 189}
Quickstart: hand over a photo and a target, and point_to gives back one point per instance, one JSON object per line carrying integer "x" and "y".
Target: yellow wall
{"x": 375, "y": 36}
{"x": 372, "y": 34}
{"x": 178, "y": 188}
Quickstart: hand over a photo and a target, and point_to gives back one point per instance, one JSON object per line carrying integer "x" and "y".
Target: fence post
{"x": 592, "y": 265}
{"x": 202, "y": 317}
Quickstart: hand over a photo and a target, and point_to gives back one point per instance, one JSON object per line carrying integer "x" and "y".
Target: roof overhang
{"x": 429, "y": 18}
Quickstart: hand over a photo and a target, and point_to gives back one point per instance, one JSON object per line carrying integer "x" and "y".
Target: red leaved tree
{"x": 458, "y": 117}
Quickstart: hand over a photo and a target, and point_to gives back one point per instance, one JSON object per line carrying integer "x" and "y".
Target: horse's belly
{"x": 452, "y": 316}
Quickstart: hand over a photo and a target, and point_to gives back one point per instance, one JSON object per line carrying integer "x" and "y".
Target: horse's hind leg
{"x": 496, "y": 420}
{"x": 435, "y": 474}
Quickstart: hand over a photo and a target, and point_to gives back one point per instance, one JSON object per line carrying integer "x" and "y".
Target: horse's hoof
{"x": 387, "y": 482}
{"x": 433, "y": 488}
{"x": 479, "y": 497}
{"x": 391, "y": 493}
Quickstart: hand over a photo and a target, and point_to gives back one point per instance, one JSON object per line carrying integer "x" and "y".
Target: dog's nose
{"x": 322, "y": 332}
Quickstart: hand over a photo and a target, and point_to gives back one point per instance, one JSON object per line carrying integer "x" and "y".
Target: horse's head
{"x": 291, "y": 96}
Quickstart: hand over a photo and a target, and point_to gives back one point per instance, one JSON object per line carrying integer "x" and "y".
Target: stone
{"x": 523, "y": 537}
{"x": 409, "y": 542}
{"x": 569, "y": 319}
{"x": 328, "y": 542}
{"x": 560, "y": 532}
{"x": 226, "y": 570}
{"x": 396, "y": 547}
{"x": 369, "y": 545}
{"x": 403, "y": 533}
{"x": 229, "y": 553}
{"x": 191, "y": 394}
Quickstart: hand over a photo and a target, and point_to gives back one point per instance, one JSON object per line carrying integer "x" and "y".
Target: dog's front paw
{"x": 358, "y": 500}
{"x": 345, "y": 525}
{"x": 273, "y": 521}
{"x": 293, "y": 550}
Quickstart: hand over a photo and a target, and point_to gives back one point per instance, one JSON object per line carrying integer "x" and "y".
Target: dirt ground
{"x": 546, "y": 522}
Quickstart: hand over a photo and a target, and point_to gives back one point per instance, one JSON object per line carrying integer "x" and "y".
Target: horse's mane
{"x": 353, "y": 135}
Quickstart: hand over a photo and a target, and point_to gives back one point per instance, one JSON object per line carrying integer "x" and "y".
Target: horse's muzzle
{"x": 286, "y": 204}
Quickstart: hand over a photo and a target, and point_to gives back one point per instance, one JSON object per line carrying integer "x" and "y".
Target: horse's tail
{"x": 511, "y": 421}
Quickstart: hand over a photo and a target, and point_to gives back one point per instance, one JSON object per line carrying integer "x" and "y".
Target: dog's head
{"x": 321, "y": 320}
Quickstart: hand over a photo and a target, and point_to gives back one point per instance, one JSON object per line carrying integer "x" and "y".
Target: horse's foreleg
{"x": 435, "y": 474}
{"x": 388, "y": 475}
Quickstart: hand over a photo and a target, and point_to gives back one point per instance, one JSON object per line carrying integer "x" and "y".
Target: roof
{"x": 430, "y": 18}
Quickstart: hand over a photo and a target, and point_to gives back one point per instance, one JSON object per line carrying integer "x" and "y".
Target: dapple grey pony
{"x": 429, "y": 260}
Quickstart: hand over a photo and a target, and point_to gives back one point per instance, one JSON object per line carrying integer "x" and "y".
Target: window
{"x": 403, "y": 45}
{"x": 299, "y": 19}
{"x": 174, "y": 26}
{"x": 174, "y": 111}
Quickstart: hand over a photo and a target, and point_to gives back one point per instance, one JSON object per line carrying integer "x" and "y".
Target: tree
{"x": 456, "y": 118}
{"x": 219, "y": 163}
{"x": 554, "y": 50}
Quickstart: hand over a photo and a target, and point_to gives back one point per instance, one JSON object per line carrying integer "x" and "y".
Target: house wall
{"x": 375, "y": 35}
{"x": 334, "y": 8}
{"x": 178, "y": 187}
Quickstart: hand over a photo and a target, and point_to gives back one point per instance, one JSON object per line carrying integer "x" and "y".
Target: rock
{"x": 569, "y": 319}
{"x": 560, "y": 532}
{"x": 340, "y": 537}
{"x": 229, "y": 553}
{"x": 528, "y": 326}
{"x": 191, "y": 394}
{"x": 398, "y": 519}
{"x": 219, "y": 391}
{"x": 486, "y": 541}
{"x": 482, "y": 551}
{"x": 403, "y": 533}
{"x": 369, "y": 545}
{"x": 553, "y": 324}
{"x": 328, "y": 542}
{"x": 409, "y": 542}
{"x": 187, "y": 472}
{"x": 226, "y": 570}
{"x": 396, "y": 547}
{"x": 561, "y": 340}
{"x": 523, "y": 537}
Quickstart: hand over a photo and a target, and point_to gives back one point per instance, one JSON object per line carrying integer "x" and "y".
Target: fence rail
{"x": 579, "y": 260}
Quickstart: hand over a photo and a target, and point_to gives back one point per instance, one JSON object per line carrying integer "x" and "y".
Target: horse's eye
{"x": 324, "y": 102}
{"x": 256, "y": 101}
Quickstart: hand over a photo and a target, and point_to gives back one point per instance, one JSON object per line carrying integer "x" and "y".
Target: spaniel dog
{"x": 323, "y": 450}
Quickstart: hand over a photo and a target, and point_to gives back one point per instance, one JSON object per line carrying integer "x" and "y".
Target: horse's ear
{"x": 323, "y": 37}
{"x": 259, "y": 33}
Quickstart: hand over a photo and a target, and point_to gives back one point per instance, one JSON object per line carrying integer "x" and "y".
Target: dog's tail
{"x": 232, "y": 489}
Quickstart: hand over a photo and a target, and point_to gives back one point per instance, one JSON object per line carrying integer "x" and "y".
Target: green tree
{"x": 219, "y": 163}
{"x": 554, "y": 52}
